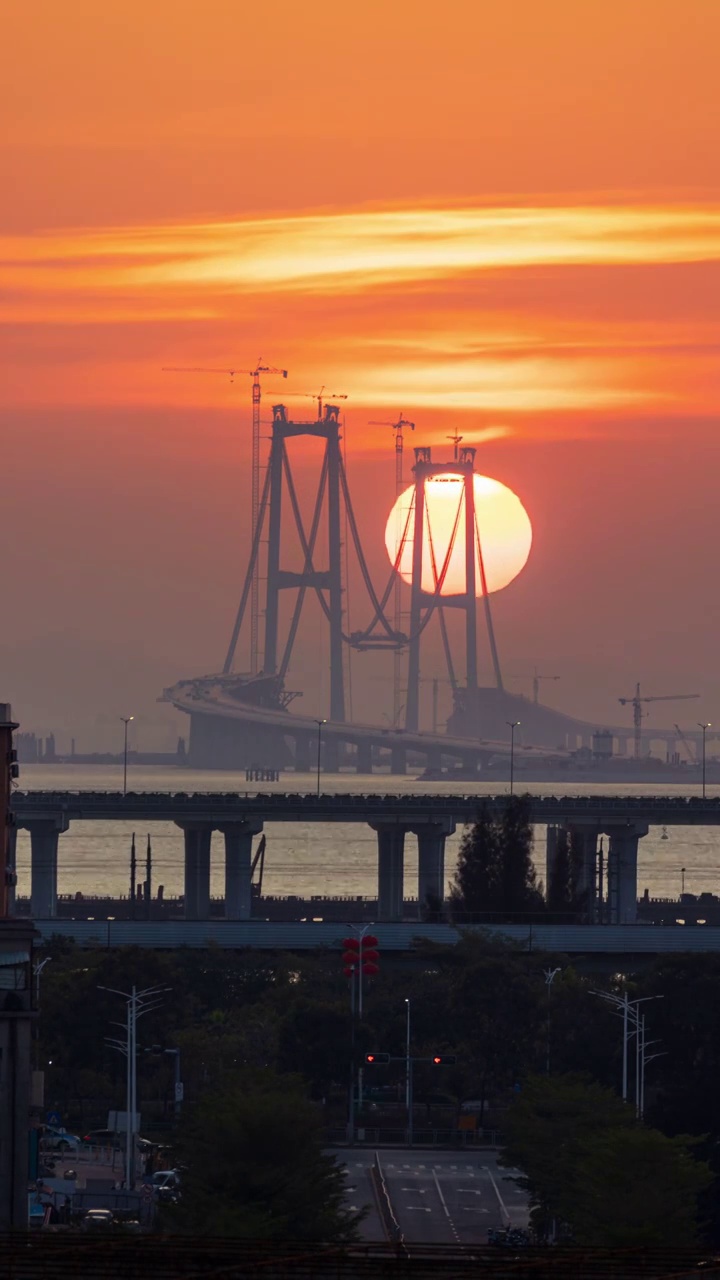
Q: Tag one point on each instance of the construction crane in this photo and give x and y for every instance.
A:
(255, 373)
(638, 713)
(687, 745)
(456, 441)
(399, 444)
(398, 659)
(536, 683)
(336, 395)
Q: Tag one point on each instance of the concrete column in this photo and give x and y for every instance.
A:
(330, 755)
(11, 869)
(583, 860)
(197, 870)
(431, 860)
(44, 835)
(303, 754)
(363, 756)
(551, 845)
(622, 872)
(433, 760)
(391, 856)
(238, 868)
(398, 761)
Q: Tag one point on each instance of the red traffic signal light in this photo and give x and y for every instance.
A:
(443, 1059)
(376, 1059)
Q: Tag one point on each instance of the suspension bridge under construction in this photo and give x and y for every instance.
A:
(241, 719)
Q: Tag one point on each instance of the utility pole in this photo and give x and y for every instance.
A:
(137, 1004)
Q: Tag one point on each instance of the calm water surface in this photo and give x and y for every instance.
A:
(327, 858)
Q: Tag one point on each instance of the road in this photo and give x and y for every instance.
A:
(438, 1197)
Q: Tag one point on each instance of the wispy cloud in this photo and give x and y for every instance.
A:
(350, 251)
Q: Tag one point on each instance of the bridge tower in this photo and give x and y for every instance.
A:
(278, 490)
(423, 602)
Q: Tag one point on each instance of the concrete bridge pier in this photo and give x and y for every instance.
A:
(363, 757)
(238, 868)
(303, 754)
(330, 755)
(11, 869)
(622, 872)
(431, 839)
(398, 761)
(391, 866)
(44, 835)
(198, 836)
(433, 760)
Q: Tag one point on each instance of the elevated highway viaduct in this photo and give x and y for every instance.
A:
(430, 818)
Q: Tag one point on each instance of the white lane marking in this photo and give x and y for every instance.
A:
(501, 1202)
(418, 1208)
(418, 1190)
(421, 1166)
(471, 1208)
(447, 1211)
(469, 1191)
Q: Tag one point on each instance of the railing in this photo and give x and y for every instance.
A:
(459, 1139)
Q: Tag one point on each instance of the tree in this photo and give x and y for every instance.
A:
(256, 1168)
(495, 875)
(587, 1164)
(564, 895)
(475, 891)
(637, 1187)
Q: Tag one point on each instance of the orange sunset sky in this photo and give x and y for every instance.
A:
(500, 218)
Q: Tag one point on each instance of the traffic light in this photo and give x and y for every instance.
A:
(360, 955)
(443, 1059)
(376, 1059)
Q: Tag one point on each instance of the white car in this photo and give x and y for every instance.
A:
(59, 1140)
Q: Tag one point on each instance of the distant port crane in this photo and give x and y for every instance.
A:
(638, 714)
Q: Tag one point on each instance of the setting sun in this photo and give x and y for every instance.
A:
(504, 534)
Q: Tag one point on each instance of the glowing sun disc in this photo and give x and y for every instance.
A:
(502, 522)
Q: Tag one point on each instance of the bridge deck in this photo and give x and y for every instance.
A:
(627, 940)
(218, 807)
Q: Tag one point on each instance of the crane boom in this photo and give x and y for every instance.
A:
(254, 489)
(636, 703)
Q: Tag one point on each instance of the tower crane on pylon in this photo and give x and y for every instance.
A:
(456, 441)
(336, 395)
(399, 444)
(536, 683)
(254, 485)
(398, 428)
(639, 715)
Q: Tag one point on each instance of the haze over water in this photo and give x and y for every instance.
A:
(328, 858)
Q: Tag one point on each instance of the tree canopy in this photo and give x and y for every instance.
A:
(255, 1165)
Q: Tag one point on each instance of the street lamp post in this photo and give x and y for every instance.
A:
(550, 975)
(319, 724)
(408, 1075)
(704, 728)
(137, 1003)
(633, 1025)
(513, 725)
(126, 720)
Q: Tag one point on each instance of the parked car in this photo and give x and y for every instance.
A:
(166, 1178)
(116, 1140)
(59, 1140)
(97, 1220)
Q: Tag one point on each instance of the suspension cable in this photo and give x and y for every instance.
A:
(488, 611)
(248, 576)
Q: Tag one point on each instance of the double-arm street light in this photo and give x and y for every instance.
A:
(319, 724)
(126, 720)
(512, 725)
(704, 728)
(137, 1003)
(633, 1025)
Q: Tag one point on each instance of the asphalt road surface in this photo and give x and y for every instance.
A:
(438, 1197)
